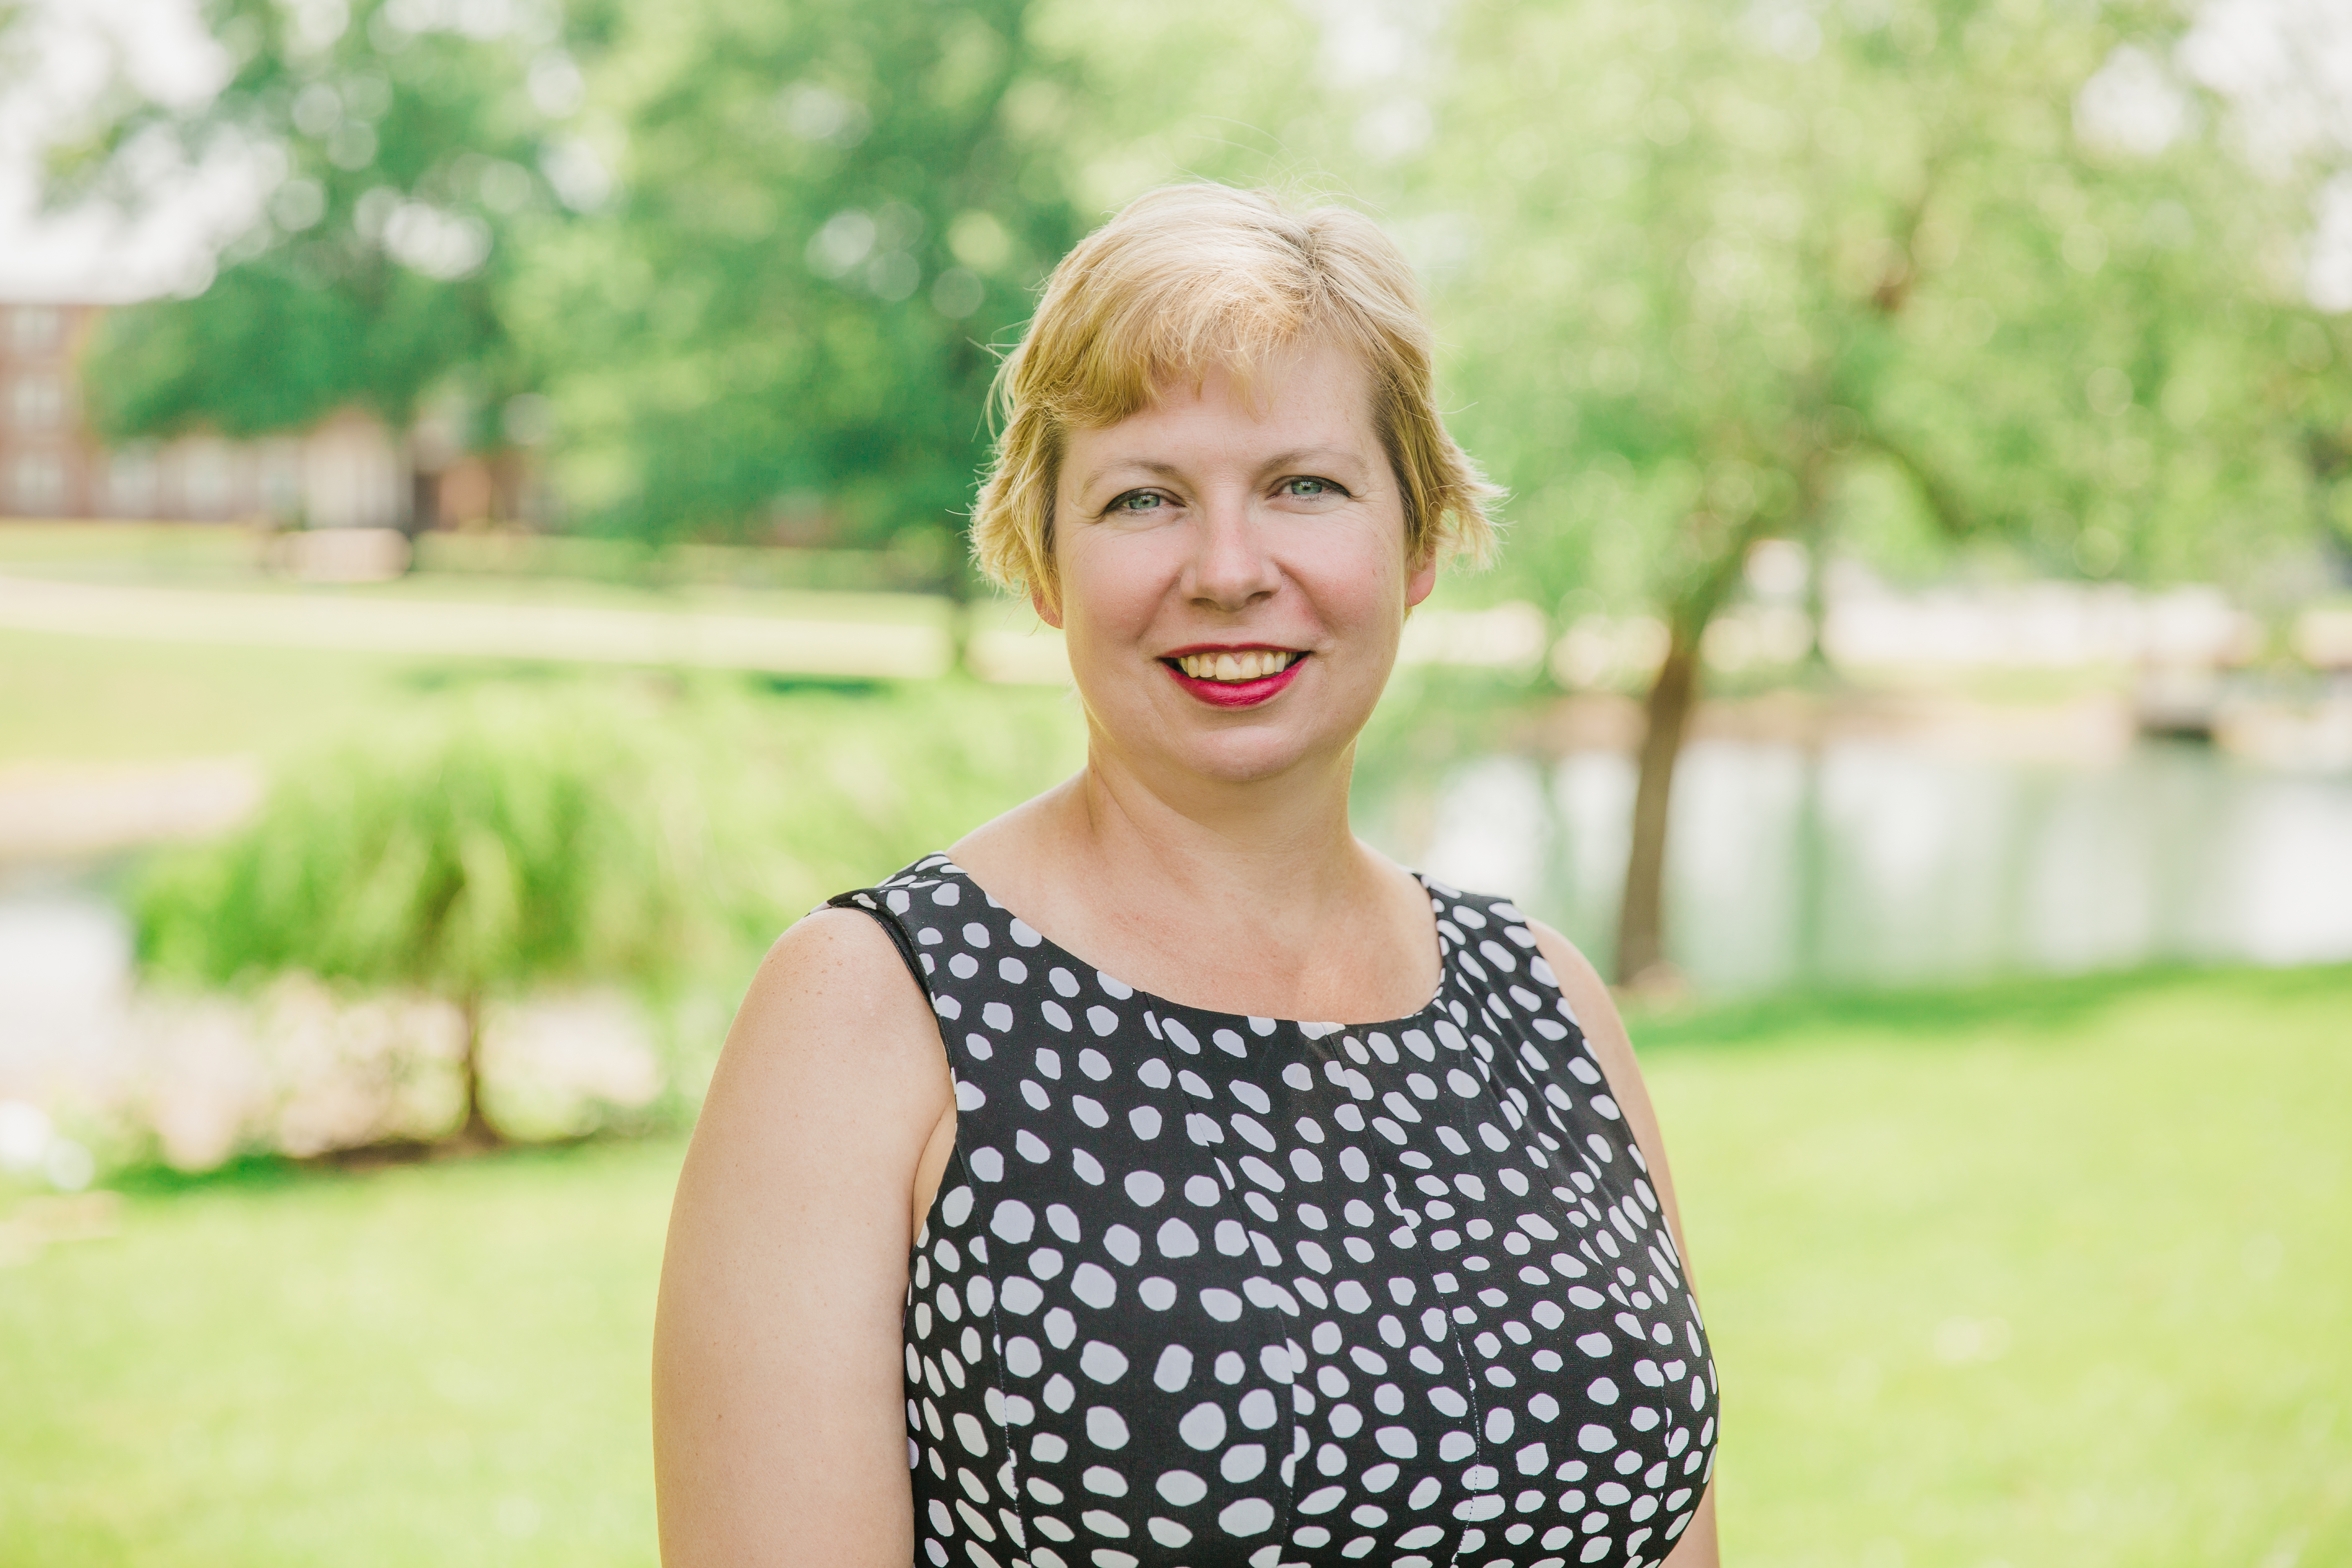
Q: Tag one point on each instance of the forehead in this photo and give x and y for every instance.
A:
(1320, 391)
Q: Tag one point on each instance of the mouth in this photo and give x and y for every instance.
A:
(1235, 677)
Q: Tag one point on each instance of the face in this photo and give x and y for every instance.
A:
(1233, 577)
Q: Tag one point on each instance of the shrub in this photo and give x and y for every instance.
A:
(501, 844)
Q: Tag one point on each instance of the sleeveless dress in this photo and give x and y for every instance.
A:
(1207, 1289)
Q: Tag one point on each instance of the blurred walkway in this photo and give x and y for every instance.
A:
(584, 634)
(61, 813)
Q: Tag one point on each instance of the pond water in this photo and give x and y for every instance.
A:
(1878, 863)
(1855, 863)
(65, 967)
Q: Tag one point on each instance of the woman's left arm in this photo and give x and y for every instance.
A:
(1597, 1012)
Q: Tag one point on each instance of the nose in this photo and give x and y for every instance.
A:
(1231, 568)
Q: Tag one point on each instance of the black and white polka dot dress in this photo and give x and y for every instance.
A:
(1214, 1290)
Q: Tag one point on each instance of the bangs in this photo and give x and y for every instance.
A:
(1165, 309)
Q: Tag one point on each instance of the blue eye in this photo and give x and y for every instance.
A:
(1138, 500)
(1305, 487)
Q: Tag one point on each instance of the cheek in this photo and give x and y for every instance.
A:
(1110, 583)
(1362, 583)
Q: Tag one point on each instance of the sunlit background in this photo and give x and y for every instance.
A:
(479, 553)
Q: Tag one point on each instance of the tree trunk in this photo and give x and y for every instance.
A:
(1641, 921)
(960, 631)
(1674, 694)
(957, 583)
(1811, 857)
(1817, 603)
(476, 1132)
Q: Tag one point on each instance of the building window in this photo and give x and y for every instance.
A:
(35, 329)
(204, 477)
(36, 401)
(281, 478)
(131, 482)
(37, 483)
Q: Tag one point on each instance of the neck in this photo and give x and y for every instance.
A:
(1286, 835)
(1237, 895)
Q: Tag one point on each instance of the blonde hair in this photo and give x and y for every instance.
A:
(1194, 275)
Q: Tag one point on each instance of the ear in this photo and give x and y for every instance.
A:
(1051, 613)
(1418, 586)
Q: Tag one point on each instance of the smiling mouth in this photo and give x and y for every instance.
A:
(1236, 667)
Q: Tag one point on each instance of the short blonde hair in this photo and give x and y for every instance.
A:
(1192, 276)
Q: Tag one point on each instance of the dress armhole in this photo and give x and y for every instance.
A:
(864, 904)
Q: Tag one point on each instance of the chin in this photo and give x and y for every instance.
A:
(1241, 756)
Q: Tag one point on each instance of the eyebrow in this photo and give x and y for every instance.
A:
(1303, 457)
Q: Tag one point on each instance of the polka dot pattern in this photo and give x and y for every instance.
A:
(1208, 1291)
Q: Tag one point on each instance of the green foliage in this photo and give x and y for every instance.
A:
(511, 835)
(258, 354)
(414, 190)
(756, 257)
(505, 844)
(1768, 284)
(1778, 285)
(832, 211)
(1850, 277)
(1707, 280)
(1865, 279)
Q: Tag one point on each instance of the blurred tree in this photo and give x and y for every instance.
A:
(654, 836)
(810, 225)
(514, 844)
(418, 157)
(827, 214)
(1718, 281)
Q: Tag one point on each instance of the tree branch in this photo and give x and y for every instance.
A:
(1944, 503)
(1894, 285)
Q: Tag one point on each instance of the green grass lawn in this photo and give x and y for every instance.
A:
(2057, 1273)
(121, 701)
(101, 699)
(439, 1365)
(229, 559)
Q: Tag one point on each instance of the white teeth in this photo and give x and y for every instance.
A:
(1250, 664)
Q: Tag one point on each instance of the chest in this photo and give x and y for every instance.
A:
(1202, 1289)
(1374, 955)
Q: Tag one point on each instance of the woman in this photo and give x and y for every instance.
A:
(1074, 1248)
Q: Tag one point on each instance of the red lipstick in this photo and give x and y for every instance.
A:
(1233, 693)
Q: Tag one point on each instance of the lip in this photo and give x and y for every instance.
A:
(1189, 649)
(1234, 693)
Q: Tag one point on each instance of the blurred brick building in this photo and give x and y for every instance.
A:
(350, 471)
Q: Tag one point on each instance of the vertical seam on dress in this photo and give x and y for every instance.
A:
(1476, 1397)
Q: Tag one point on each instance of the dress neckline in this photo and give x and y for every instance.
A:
(1312, 1029)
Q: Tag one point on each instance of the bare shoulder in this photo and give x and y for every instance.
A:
(831, 1016)
(835, 959)
(777, 1429)
(834, 1051)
